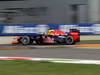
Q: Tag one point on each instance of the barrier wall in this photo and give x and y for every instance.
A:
(30, 29)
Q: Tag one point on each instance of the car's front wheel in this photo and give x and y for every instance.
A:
(25, 40)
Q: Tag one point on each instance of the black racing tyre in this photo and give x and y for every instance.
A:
(70, 40)
(25, 40)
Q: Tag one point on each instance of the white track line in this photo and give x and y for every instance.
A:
(54, 60)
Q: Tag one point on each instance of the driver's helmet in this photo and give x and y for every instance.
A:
(56, 32)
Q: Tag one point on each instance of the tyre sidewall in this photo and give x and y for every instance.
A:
(70, 40)
(25, 40)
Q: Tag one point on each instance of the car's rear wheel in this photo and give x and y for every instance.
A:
(70, 40)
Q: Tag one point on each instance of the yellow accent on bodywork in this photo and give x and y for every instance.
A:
(50, 32)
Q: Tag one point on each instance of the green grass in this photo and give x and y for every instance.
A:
(46, 68)
(91, 40)
(88, 47)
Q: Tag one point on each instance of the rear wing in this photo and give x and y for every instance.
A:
(75, 33)
(74, 30)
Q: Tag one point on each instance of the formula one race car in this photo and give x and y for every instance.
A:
(52, 36)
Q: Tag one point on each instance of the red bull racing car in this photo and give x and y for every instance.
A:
(51, 37)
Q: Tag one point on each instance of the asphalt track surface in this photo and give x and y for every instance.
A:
(68, 53)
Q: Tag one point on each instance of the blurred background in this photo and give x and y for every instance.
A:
(49, 11)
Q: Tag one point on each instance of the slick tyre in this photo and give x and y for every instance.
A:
(25, 40)
(70, 40)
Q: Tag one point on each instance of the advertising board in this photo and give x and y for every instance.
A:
(30, 29)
